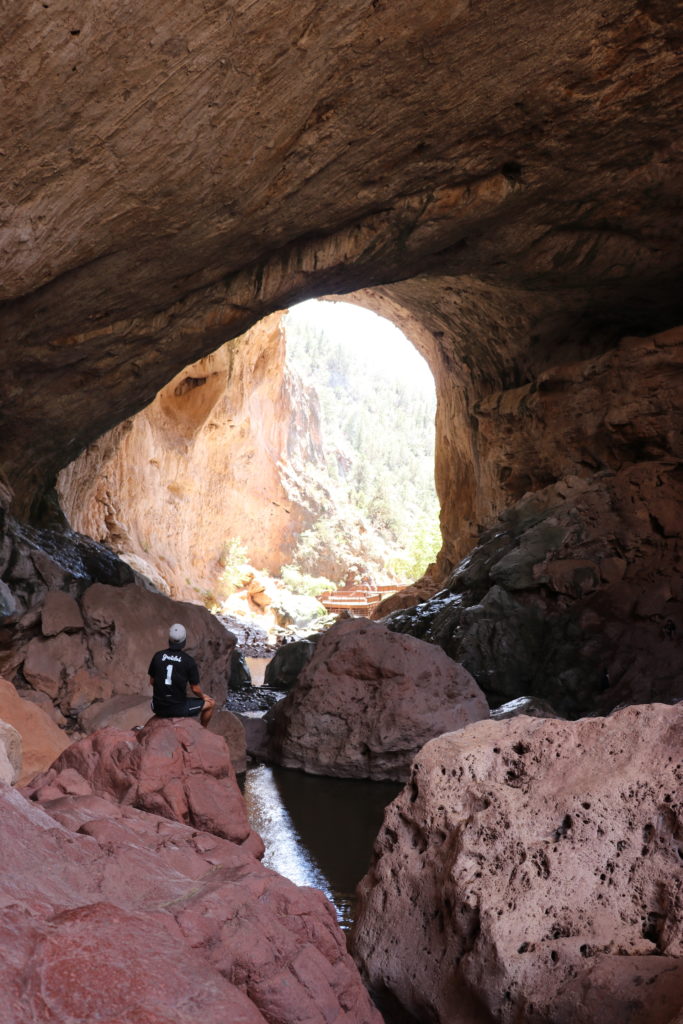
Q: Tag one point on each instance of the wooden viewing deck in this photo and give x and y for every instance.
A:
(358, 600)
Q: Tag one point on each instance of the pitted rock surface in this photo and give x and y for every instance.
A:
(532, 870)
(367, 701)
(148, 921)
(172, 767)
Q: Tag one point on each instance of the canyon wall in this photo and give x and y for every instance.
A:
(226, 451)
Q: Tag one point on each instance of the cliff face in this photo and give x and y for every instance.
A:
(224, 451)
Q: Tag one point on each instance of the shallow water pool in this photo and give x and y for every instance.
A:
(318, 831)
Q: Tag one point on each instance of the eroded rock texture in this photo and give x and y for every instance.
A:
(172, 767)
(82, 628)
(113, 913)
(367, 701)
(222, 452)
(574, 596)
(508, 191)
(532, 870)
(206, 165)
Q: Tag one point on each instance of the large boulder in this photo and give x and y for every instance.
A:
(172, 767)
(42, 741)
(114, 914)
(367, 701)
(574, 595)
(224, 723)
(531, 870)
(287, 664)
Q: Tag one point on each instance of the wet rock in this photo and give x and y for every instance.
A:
(172, 767)
(574, 597)
(255, 699)
(534, 863)
(8, 604)
(533, 706)
(255, 727)
(60, 554)
(144, 919)
(10, 754)
(367, 701)
(42, 740)
(287, 663)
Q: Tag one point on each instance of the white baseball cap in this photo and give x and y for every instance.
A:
(177, 633)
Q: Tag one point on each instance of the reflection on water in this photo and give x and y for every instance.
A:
(318, 831)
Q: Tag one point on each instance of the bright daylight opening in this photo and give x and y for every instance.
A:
(368, 473)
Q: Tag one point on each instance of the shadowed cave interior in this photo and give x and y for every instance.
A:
(509, 195)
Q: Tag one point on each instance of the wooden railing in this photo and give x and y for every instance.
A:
(356, 599)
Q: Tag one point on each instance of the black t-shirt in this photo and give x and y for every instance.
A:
(171, 671)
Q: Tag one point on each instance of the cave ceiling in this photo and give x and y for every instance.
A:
(171, 173)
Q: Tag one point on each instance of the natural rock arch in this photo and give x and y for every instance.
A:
(170, 181)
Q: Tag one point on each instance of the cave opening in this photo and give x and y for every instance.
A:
(295, 461)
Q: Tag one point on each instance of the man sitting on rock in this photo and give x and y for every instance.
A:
(170, 673)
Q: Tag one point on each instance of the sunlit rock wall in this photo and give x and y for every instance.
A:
(222, 453)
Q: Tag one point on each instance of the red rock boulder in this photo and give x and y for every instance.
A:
(533, 870)
(172, 767)
(367, 701)
(114, 914)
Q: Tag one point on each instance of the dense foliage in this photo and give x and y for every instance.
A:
(378, 432)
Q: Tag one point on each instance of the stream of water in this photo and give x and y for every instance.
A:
(318, 831)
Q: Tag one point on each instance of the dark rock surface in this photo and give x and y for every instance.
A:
(531, 871)
(575, 596)
(287, 664)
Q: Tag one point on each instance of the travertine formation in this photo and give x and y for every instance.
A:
(204, 166)
(367, 701)
(170, 174)
(533, 871)
(222, 453)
